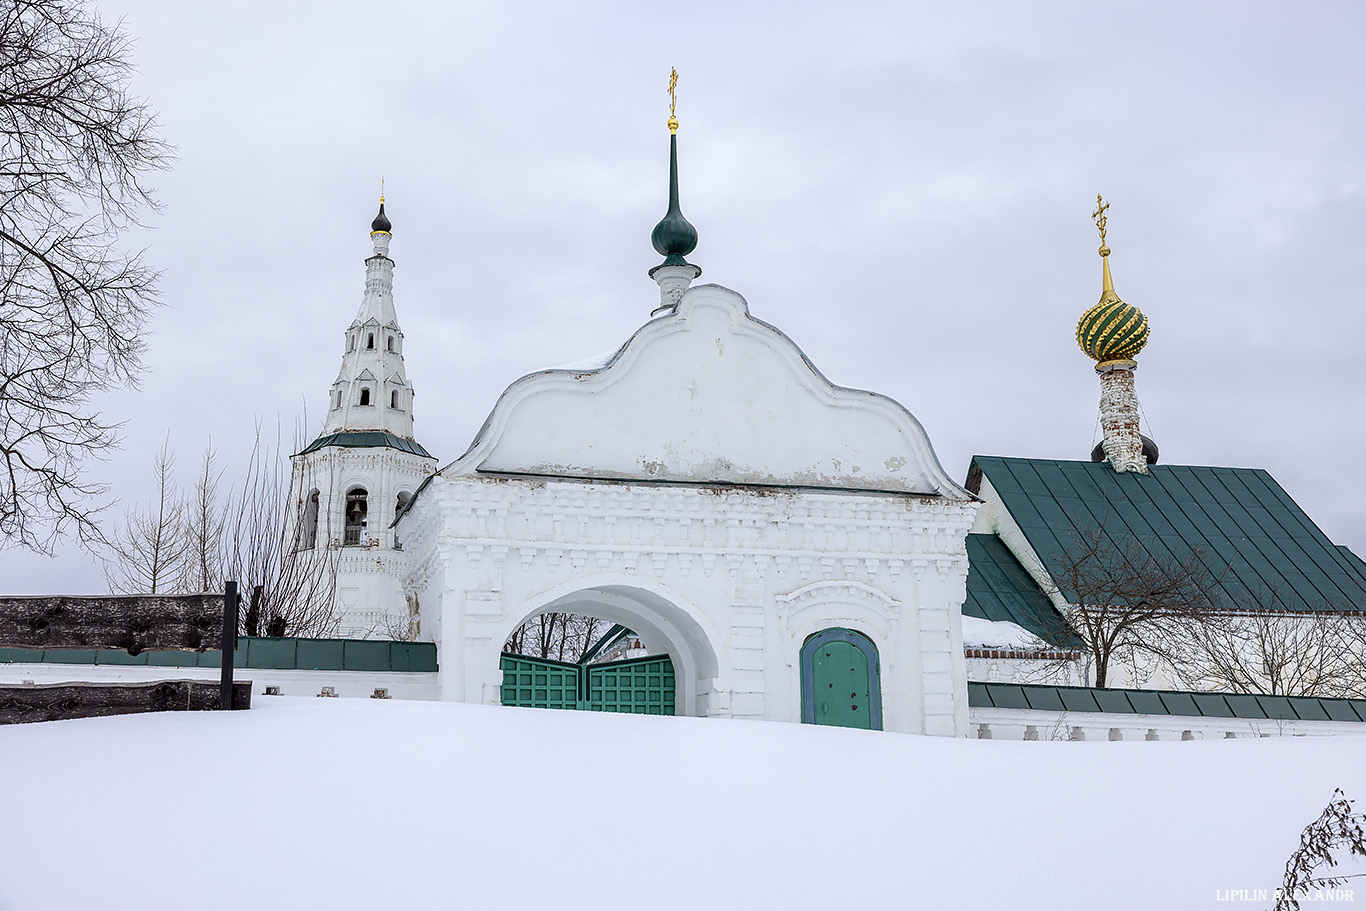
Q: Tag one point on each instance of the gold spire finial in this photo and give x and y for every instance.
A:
(381, 189)
(673, 100)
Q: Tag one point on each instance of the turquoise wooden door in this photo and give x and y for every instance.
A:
(840, 684)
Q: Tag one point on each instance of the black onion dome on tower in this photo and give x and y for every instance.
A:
(674, 237)
(381, 223)
(1149, 450)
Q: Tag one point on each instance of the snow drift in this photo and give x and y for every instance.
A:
(340, 804)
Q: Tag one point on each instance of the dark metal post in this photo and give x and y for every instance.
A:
(229, 644)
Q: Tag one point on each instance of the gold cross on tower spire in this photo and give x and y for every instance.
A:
(673, 100)
(1099, 217)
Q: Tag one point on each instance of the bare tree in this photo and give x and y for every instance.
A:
(1271, 644)
(1126, 603)
(1339, 829)
(203, 528)
(75, 147)
(292, 592)
(242, 534)
(146, 554)
(555, 635)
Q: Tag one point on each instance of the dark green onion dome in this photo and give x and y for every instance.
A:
(1112, 330)
(674, 237)
(381, 223)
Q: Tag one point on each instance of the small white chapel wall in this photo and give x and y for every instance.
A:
(709, 488)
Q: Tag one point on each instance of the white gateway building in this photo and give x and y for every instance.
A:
(782, 547)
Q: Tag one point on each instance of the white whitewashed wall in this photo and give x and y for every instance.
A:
(729, 582)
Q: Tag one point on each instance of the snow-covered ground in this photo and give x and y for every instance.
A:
(340, 804)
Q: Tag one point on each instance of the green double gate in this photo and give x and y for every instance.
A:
(641, 686)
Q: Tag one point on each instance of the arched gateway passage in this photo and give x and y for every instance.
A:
(680, 664)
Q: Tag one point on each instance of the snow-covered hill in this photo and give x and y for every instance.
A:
(340, 804)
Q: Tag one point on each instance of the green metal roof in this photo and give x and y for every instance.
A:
(1244, 523)
(999, 588)
(258, 652)
(1163, 702)
(362, 438)
(1355, 561)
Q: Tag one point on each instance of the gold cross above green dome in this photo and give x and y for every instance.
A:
(1111, 330)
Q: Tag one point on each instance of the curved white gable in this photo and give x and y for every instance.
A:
(707, 394)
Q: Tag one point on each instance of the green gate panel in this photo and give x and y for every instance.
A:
(539, 683)
(639, 686)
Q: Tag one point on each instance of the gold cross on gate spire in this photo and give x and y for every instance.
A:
(381, 189)
(1099, 217)
(673, 99)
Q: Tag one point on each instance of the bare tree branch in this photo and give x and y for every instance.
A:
(203, 529)
(1271, 643)
(1128, 603)
(1339, 829)
(297, 588)
(555, 635)
(240, 534)
(75, 148)
(147, 553)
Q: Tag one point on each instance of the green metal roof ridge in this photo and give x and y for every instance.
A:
(1175, 703)
(1161, 465)
(367, 438)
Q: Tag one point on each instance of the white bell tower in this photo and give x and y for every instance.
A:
(349, 484)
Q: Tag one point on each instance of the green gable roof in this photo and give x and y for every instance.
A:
(362, 438)
(999, 588)
(1242, 521)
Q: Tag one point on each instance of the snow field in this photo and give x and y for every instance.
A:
(341, 804)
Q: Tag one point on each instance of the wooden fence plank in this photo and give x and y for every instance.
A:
(54, 702)
(136, 623)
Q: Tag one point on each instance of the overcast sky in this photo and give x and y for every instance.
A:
(905, 191)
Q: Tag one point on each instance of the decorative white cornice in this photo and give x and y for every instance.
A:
(872, 604)
(578, 527)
